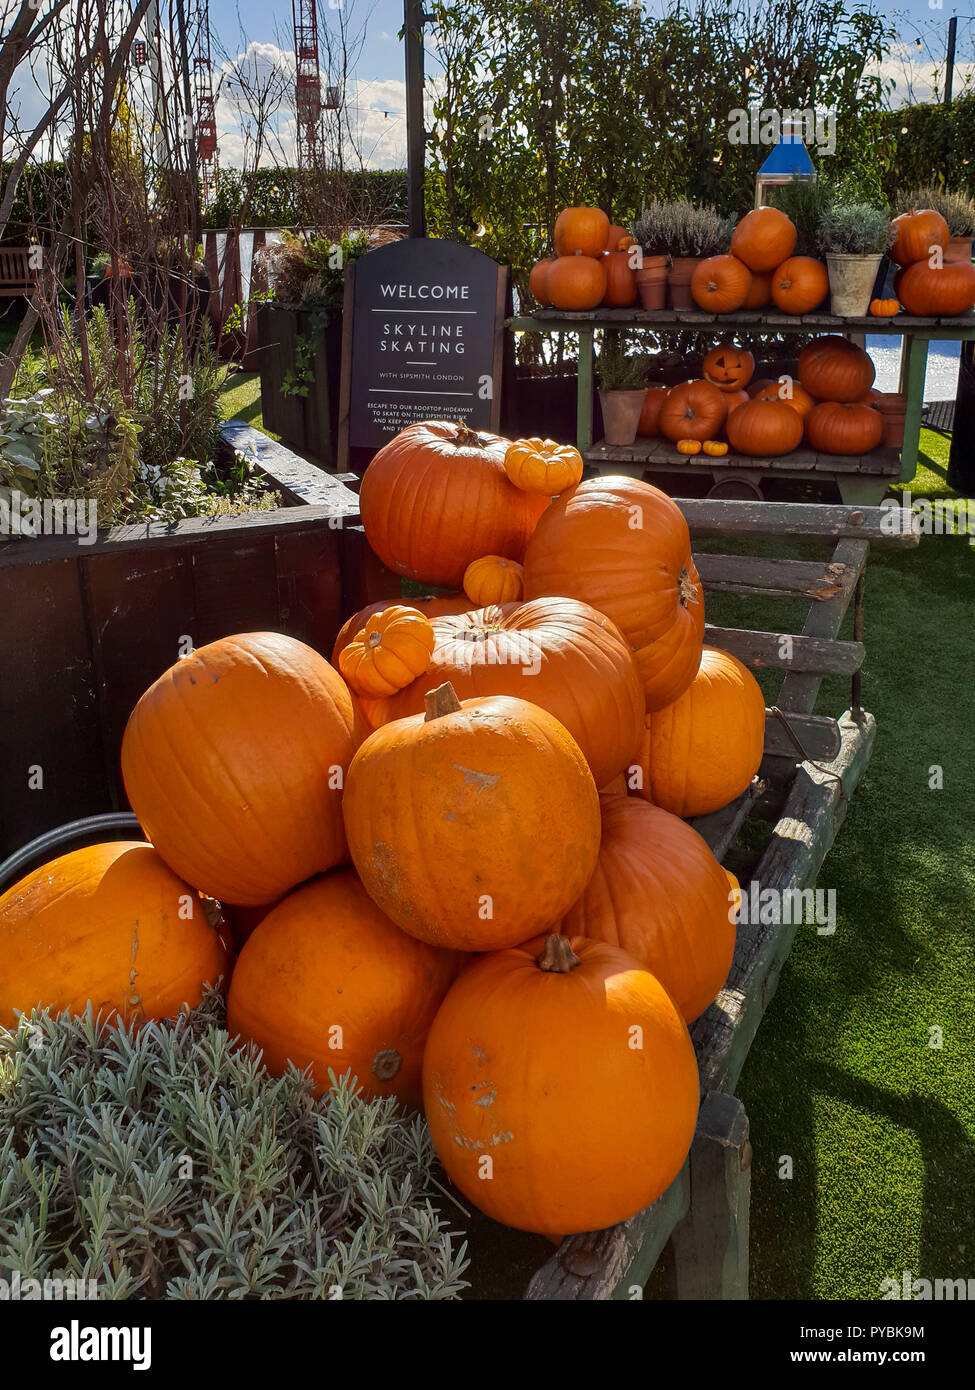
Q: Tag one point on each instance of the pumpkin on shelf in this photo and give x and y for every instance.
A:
(719, 284)
(759, 291)
(653, 402)
(474, 823)
(614, 236)
(787, 390)
(559, 653)
(234, 761)
(728, 367)
(491, 579)
(392, 649)
(799, 285)
(430, 605)
(528, 1063)
(538, 281)
(688, 446)
(542, 466)
(763, 239)
(576, 282)
(437, 496)
(884, 308)
(581, 231)
(621, 290)
(918, 233)
(834, 427)
(944, 290)
(834, 369)
(715, 448)
(703, 750)
(736, 398)
(327, 981)
(110, 925)
(693, 410)
(623, 546)
(659, 893)
(764, 428)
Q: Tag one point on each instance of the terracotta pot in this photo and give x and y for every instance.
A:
(679, 281)
(893, 408)
(851, 281)
(959, 248)
(651, 282)
(621, 415)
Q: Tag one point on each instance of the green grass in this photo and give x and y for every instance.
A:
(240, 399)
(880, 1126)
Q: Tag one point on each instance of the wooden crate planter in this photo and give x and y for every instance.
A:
(309, 423)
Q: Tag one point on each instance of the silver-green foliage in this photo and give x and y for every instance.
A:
(854, 229)
(163, 1163)
(957, 209)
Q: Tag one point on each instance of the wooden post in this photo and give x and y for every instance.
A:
(710, 1245)
(584, 389)
(413, 19)
(914, 361)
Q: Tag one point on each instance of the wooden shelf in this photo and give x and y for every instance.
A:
(754, 321)
(661, 454)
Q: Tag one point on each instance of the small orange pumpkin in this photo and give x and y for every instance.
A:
(720, 284)
(542, 466)
(715, 448)
(391, 650)
(884, 308)
(728, 367)
(492, 579)
(688, 446)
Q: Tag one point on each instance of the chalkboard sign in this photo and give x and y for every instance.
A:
(422, 340)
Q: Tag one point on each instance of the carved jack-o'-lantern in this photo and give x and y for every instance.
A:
(728, 367)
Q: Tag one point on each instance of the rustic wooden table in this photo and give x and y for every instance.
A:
(861, 479)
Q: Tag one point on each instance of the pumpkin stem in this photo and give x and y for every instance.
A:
(686, 588)
(557, 955)
(386, 1064)
(468, 437)
(441, 701)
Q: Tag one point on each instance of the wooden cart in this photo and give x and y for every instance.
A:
(812, 766)
(861, 479)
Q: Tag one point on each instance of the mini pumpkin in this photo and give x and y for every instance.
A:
(491, 579)
(391, 650)
(473, 823)
(728, 367)
(542, 466)
(715, 448)
(693, 410)
(688, 446)
(720, 284)
(884, 308)
(431, 606)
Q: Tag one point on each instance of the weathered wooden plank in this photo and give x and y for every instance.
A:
(299, 481)
(719, 827)
(658, 451)
(235, 587)
(788, 652)
(711, 1243)
(773, 576)
(365, 579)
(814, 810)
(309, 586)
(818, 734)
(617, 1261)
(799, 689)
(720, 519)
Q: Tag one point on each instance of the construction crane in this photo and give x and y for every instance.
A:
(308, 86)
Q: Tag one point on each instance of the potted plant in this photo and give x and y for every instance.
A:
(958, 211)
(853, 238)
(622, 386)
(650, 231)
(692, 234)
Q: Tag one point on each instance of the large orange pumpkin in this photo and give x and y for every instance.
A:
(834, 369)
(111, 925)
(473, 824)
(653, 402)
(623, 547)
(659, 893)
(621, 289)
(800, 285)
(547, 1070)
(945, 290)
(703, 750)
(581, 231)
(728, 367)
(847, 428)
(576, 282)
(435, 606)
(436, 497)
(234, 761)
(917, 234)
(693, 410)
(326, 980)
(763, 239)
(538, 281)
(557, 652)
(764, 428)
(720, 284)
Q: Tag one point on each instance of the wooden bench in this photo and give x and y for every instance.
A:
(812, 766)
(17, 276)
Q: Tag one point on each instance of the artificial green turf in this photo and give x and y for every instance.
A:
(240, 399)
(842, 1077)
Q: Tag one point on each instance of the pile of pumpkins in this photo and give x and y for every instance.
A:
(832, 407)
(455, 858)
(595, 266)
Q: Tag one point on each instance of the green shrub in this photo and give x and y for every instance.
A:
(163, 1163)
